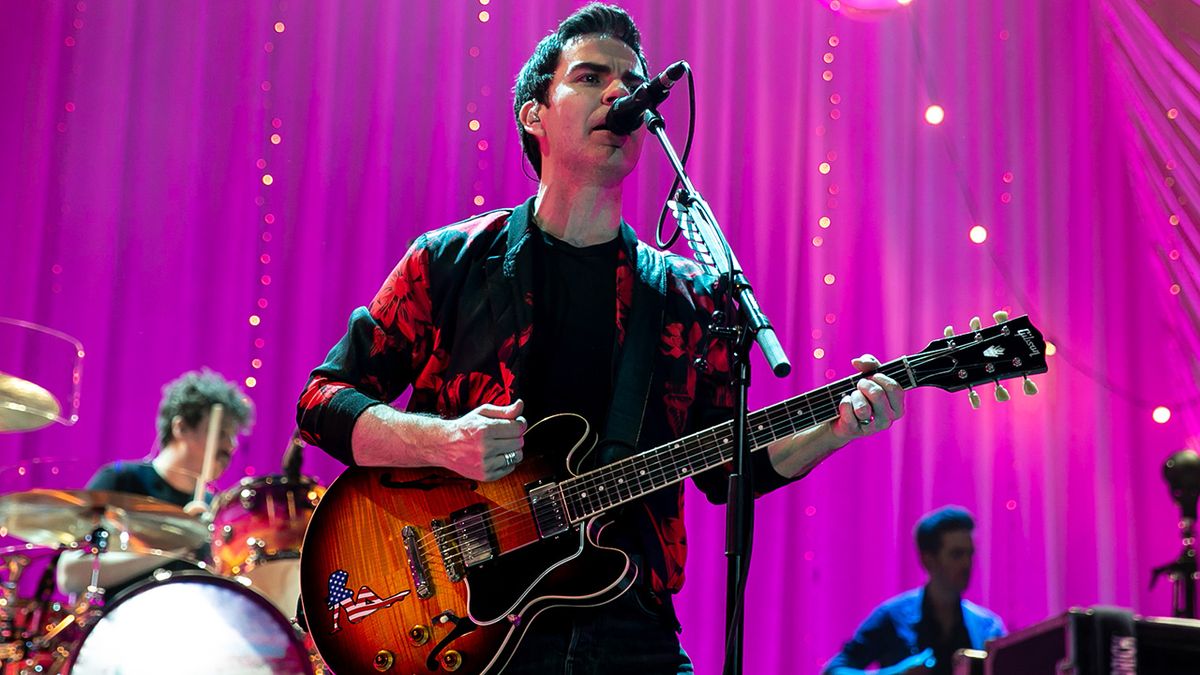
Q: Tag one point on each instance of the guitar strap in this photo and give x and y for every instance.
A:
(631, 388)
(631, 391)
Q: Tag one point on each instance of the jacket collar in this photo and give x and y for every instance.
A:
(520, 228)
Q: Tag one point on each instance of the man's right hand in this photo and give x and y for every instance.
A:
(485, 444)
(482, 443)
(917, 664)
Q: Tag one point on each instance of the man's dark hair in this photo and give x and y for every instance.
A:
(934, 524)
(533, 82)
(193, 394)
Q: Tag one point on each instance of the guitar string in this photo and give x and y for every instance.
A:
(786, 413)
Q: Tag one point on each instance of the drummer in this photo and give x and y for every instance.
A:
(171, 476)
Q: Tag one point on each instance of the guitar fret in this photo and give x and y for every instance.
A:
(652, 470)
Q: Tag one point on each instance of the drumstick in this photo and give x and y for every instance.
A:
(198, 505)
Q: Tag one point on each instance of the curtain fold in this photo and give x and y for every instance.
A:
(220, 183)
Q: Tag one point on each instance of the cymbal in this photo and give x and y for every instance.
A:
(65, 517)
(25, 406)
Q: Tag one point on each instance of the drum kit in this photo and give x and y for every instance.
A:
(240, 619)
(232, 610)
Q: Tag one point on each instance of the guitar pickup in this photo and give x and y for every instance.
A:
(474, 534)
(417, 567)
(549, 511)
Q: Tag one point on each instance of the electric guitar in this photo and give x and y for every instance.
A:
(421, 570)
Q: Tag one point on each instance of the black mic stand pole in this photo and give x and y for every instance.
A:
(707, 240)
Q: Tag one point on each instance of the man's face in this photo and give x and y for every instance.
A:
(592, 73)
(950, 567)
(195, 438)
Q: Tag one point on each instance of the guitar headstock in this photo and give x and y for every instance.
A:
(1011, 348)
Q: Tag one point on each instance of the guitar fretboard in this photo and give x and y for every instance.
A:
(611, 485)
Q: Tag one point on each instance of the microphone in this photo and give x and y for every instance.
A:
(625, 115)
(293, 457)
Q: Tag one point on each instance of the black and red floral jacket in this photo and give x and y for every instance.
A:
(453, 321)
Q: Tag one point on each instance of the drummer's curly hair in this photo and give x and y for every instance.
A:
(192, 394)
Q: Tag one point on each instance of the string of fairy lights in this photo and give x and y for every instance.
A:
(828, 185)
(482, 145)
(272, 138)
(977, 233)
(934, 115)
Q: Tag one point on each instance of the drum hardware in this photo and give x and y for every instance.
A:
(36, 630)
(93, 596)
(257, 528)
(39, 635)
(26, 406)
(9, 595)
(66, 517)
(254, 529)
(246, 497)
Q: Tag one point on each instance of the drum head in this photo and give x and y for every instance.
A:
(191, 624)
(279, 581)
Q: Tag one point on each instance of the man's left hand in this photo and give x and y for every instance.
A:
(876, 402)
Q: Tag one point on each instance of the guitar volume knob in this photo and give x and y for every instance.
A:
(418, 635)
(452, 660)
(384, 660)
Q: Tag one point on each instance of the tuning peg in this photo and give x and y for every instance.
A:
(1029, 387)
(1001, 393)
(1000, 316)
(949, 332)
(976, 324)
(974, 398)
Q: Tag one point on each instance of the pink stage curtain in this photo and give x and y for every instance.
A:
(148, 208)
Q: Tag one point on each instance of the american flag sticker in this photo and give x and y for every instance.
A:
(356, 606)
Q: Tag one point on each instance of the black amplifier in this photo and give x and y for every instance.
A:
(1092, 641)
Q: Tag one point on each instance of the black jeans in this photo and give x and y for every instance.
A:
(628, 636)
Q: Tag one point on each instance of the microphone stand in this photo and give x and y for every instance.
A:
(706, 239)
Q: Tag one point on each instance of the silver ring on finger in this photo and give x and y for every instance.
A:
(863, 424)
(510, 458)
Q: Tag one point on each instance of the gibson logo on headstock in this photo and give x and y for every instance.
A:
(1030, 341)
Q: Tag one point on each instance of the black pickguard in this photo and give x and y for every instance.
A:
(510, 583)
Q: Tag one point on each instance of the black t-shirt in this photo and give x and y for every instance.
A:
(140, 478)
(137, 478)
(572, 361)
(570, 366)
(931, 636)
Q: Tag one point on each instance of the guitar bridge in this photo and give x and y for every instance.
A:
(416, 562)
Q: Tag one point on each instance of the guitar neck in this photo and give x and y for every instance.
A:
(611, 485)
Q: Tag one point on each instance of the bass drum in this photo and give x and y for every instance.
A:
(190, 623)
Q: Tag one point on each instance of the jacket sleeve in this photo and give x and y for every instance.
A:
(867, 645)
(383, 349)
(715, 404)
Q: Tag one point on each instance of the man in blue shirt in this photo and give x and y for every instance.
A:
(918, 631)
